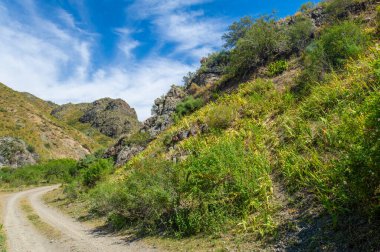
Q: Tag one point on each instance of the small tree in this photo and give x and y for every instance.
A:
(236, 31)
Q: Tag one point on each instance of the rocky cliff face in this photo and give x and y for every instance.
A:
(163, 110)
(110, 117)
(15, 153)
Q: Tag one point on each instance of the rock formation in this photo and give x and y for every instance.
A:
(15, 153)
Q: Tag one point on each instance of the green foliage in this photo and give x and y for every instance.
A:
(95, 171)
(221, 117)
(236, 31)
(53, 171)
(31, 148)
(300, 33)
(378, 19)
(343, 41)
(138, 138)
(214, 185)
(215, 62)
(338, 9)
(187, 106)
(307, 7)
(262, 42)
(2, 239)
(219, 183)
(143, 200)
(336, 45)
(277, 67)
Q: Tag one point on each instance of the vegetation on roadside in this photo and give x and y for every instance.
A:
(319, 135)
(2, 239)
(322, 142)
(28, 118)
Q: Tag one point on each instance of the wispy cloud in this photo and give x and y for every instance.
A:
(174, 21)
(55, 60)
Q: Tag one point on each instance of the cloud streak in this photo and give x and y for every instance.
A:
(55, 61)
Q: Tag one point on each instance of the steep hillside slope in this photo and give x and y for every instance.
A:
(288, 157)
(27, 117)
(103, 120)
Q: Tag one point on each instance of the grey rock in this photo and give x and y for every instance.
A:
(15, 153)
(111, 117)
(127, 153)
(163, 110)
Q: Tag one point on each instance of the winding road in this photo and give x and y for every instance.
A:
(22, 236)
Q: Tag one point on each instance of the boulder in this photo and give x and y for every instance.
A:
(16, 153)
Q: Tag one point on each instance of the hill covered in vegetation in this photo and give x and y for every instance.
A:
(274, 146)
(285, 149)
(28, 118)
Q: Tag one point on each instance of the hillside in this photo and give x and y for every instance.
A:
(103, 120)
(273, 144)
(278, 151)
(27, 117)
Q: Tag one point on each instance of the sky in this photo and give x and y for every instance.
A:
(82, 50)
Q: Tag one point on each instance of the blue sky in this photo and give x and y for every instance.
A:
(82, 50)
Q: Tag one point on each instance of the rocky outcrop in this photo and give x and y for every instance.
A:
(163, 110)
(162, 113)
(111, 117)
(16, 153)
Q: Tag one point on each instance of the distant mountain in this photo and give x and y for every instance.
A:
(103, 120)
(68, 131)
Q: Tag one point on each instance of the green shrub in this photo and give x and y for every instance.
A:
(277, 67)
(219, 183)
(378, 19)
(96, 171)
(300, 33)
(31, 148)
(143, 201)
(215, 62)
(338, 9)
(53, 171)
(138, 138)
(343, 41)
(236, 31)
(187, 106)
(221, 117)
(261, 43)
(307, 7)
(336, 44)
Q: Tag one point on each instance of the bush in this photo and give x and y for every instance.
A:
(96, 171)
(144, 199)
(264, 41)
(300, 33)
(378, 19)
(307, 7)
(343, 41)
(277, 67)
(187, 106)
(53, 171)
(236, 31)
(336, 44)
(221, 117)
(215, 62)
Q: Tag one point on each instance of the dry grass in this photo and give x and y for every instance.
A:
(42, 226)
(3, 246)
(29, 118)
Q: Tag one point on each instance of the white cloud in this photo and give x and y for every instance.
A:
(126, 44)
(194, 34)
(54, 64)
(54, 61)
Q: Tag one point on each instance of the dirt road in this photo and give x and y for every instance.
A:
(22, 236)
